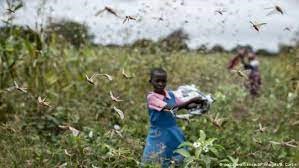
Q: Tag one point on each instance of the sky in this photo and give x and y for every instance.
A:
(195, 17)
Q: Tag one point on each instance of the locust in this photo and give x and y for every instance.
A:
(74, 131)
(13, 8)
(128, 18)
(43, 102)
(216, 121)
(119, 112)
(22, 89)
(114, 98)
(275, 9)
(257, 26)
(109, 10)
(220, 11)
(291, 143)
(125, 75)
(91, 79)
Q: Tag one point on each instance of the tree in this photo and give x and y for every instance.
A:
(142, 43)
(283, 48)
(174, 41)
(218, 48)
(264, 52)
(65, 30)
(248, 47)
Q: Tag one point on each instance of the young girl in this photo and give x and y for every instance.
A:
(164, 135)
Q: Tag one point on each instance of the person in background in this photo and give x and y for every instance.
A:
(254, 78)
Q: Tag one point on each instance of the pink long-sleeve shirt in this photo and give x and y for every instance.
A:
(156, 101)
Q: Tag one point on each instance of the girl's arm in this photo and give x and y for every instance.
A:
(184, 105)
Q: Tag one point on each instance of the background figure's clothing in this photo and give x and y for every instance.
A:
(164, 134)
(254, 77)
(254, 82)
(233, 62)
(253, 65)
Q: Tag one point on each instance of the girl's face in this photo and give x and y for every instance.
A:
(242, 52)
(251, 56)
(159, 81)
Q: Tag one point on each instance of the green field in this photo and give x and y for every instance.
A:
(30, 135)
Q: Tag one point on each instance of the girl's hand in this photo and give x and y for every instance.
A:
(168, 108)
(191, 106)
(197, 100)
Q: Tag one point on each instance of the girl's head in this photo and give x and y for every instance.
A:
(251, 56)
(158, 78)
(242, 51)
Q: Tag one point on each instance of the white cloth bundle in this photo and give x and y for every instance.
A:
(187, 92)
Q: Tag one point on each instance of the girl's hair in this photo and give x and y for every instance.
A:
(157, 70)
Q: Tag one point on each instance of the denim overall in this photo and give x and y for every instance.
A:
(164, 137)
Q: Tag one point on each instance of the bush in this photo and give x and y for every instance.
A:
(26, 33)
(174, 42)
(73, 32)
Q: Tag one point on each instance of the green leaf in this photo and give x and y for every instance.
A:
(29, 47)
(53, 119)
(214, 151)
(206, 160)
(51, 78)
(184, 144)
(183, 152)
(198, 152)
(219, 147)
(224, 161)
(234, 161)
(189, 160)
(202, 135)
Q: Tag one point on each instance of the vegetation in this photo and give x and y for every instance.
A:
(70, 31)
(245, 129)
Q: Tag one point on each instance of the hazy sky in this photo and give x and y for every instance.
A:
(196, 17)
